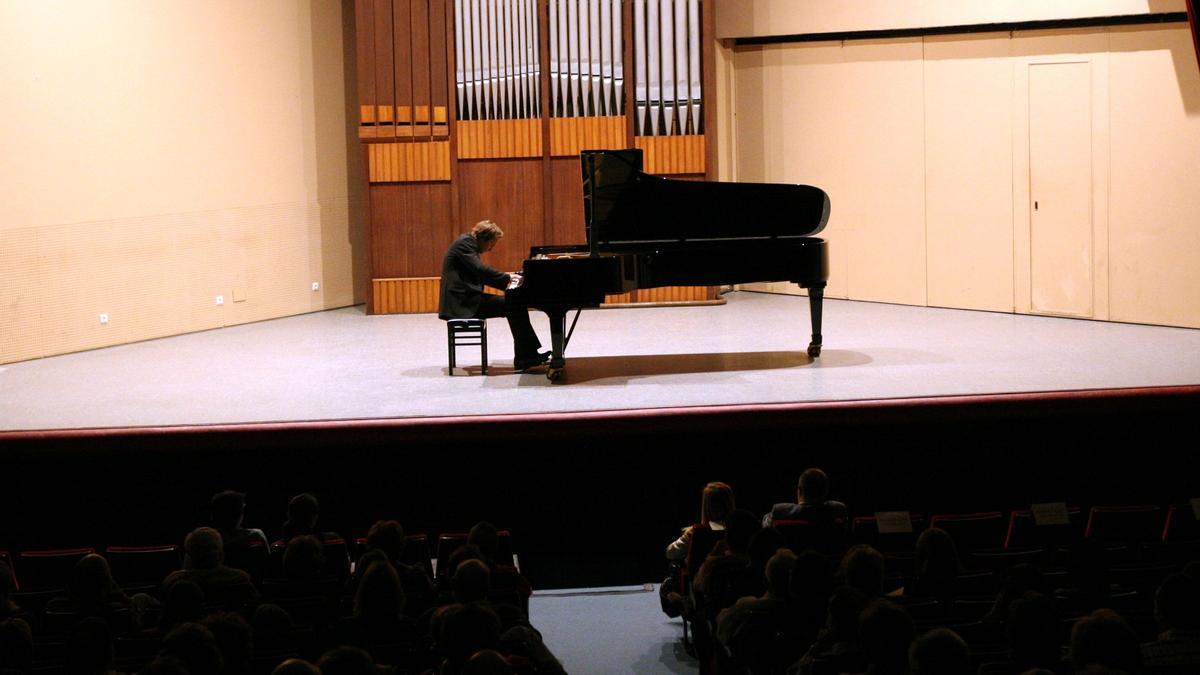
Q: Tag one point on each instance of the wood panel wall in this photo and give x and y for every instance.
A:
(432, 176)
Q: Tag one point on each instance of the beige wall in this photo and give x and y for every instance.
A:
(158, 154)
(760, 18)
(923, 145)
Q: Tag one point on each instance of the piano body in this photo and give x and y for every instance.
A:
(647, 231)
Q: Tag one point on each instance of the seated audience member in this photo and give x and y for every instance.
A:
(886, 632)
(726, 574)
(838, 643)
(746, 627)
(1104, 639)
(295, 667)
(1016, 582)
(304, 559)
(165, 665)
(184, 604)
(939, 652)
(812, 503)
(346, 661)
(8, 608)
(303, 510)
(810, 587)
(936, 566)
(16, 645)
(716, 503)
(194, 646)
(228, 510)
(1034, 634)
(1177, 610)
(378, 617)
(505, 578)
(487, 662)
(234, 639)
(387, 537)
(525, 650)
(203, 565)
(463, 631)
(91, 591)
(862, 568)
(472, 585)
(90, 648)
(271, 626)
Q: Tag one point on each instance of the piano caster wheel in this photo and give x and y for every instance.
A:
(814, 351)
(554, 374)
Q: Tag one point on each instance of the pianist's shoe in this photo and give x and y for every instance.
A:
(528, 362)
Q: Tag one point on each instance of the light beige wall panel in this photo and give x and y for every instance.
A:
(968, 171)
(746, 18)
(1050, 47)
(1155, 204)
(135, 134)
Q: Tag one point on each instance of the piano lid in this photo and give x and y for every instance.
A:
(626, 209)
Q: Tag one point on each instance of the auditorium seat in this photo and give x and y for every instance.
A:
(1024, 532)
(999, 560)
(416, 551)
(449, 542)
(49, 569)
(142, 567)
(1126, 524)
(6, 558)
(865, 530)
(800, 535)
(1181, 524)
(972, 530)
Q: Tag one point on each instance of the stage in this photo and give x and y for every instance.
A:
(344, 365)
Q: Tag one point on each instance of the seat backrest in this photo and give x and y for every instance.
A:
(800, 534)
(1181, 524)
(49, 568)
(972, 530)
(865, 530)
(1023, 530)
(1126, 524)
(6, 558)
(134, 565)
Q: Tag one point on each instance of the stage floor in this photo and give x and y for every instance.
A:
(343, 364)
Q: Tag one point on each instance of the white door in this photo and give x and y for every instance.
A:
(1060, 188)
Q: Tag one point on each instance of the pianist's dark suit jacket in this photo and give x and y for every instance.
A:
(464, 275)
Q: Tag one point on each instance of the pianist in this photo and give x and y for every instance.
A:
(464, 275)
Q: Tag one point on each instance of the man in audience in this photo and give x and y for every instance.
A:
(812, 503)
(746, 626)
(302, 518)
(463, 631)
(234, 640)
(1177, 610)
(838, 643)
(862, 568)
(228, 511)
(203, 565)
(886, 632)
(295, 667)
(346, 661)
(195, 647)
(1103, 638)
(387, 536)
(939, 652)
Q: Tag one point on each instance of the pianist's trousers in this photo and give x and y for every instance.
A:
(525, 341)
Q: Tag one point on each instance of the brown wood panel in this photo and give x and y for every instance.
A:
(667, 155)
(485, 139)
(566, 200)
(412, 295)
(509, 192)
(385, 78)
(441, 77)
(409, 162)
(411, 228)
(569, 135)
(421, 44)
(364, 25)
(402, 60)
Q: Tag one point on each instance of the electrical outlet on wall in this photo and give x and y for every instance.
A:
(220, 300)
(103, 318)
(316, 285)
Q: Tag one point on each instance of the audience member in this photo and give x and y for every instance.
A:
(812, 503)
(936, 566)
(228, 510)
(487, 662)
(303, 559)
(303, 510)
(726, 574)
(862, 568)
(505, 579)
(165, 665)
(716, 503)
(1177, 610)
(1103, 638)
(387, 537)
(295, 667)
(195, 647)
(203, 565)
(91, 591)
(1034, 633)
(346, 661)
(234, 639)
(939, 652)
(90, 648)
(378, 617)
(16, 645)
(184, 604)
(838, 642)
(1016, 582)
(271, 625)
(526, 651)
(463, 631)
(746, 627)
(886, 632)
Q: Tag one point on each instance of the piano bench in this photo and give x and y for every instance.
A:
(466, 333)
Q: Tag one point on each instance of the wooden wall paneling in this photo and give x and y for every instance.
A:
(387, 215)
(441, 76)
(422, 44)
(708, 83)
(508, 192)
(450, 229)
(673, 154)
(566, 214)
(629, 60)
(385, 77)
(364, 22)
(548, 187)
(402, 59)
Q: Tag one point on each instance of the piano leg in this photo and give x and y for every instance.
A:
(558, 325)
(816, 294)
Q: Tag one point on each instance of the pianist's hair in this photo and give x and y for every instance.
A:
(486, 230)
(716, 503)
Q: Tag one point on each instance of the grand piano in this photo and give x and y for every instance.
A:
(647, 231)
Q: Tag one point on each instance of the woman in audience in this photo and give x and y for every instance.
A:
(378, 618)
(1104, 639)
(886, 632)
(936, 567)
(862, 568)
(92, 591)
(716, 503)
